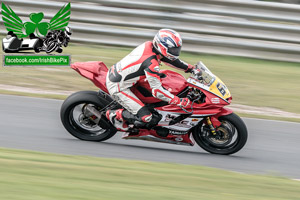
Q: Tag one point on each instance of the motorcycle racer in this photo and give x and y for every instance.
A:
(143, 61)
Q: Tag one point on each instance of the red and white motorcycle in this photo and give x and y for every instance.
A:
(214, 128)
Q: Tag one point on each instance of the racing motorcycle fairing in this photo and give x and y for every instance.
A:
(176, 137)
(217, 92)
(184, 122)
(178, 133)
(178, 121)
(211, 83)
(95, 71)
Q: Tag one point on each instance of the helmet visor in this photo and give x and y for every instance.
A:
(174, 51)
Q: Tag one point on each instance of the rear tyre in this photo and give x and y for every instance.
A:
(230, 138)
(78, 124)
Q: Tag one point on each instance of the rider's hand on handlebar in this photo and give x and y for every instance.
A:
(184, 102)
(190, 68)
(194, 70)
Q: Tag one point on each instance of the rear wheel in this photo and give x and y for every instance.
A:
(82, 118)
(230, 137)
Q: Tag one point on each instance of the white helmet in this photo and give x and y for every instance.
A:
(168, 43)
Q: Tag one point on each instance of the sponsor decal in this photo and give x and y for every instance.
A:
(183, 124)
(172, 132)
(215, 100)
(169, 117)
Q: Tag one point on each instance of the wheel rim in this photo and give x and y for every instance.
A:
(51, 47)
(227, 136)
(80, 121)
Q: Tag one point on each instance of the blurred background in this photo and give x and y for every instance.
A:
(249, 28)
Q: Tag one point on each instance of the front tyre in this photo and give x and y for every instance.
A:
(79, 121)
(230, 137)
(52, 46)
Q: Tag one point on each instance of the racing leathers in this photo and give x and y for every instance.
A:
(143, 61)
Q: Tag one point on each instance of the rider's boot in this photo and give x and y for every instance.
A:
(142, 119)
(116, 118)
(133, 119)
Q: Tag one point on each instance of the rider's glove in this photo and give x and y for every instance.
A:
(196, 72)
(184, 102)
(192, 69)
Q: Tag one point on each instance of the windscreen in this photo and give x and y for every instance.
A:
(206, 78)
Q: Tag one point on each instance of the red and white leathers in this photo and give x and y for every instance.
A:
(143, 61)
(115, 116)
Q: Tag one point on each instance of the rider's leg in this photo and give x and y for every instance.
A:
(128, 100)
(135, 111)
(116, 118)
(143, 116)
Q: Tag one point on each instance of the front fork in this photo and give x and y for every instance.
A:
(213, 121)
(211, 127)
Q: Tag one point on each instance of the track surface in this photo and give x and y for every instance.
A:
(34, 124)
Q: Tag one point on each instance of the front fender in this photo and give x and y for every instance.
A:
(224, 111)
(215, 118)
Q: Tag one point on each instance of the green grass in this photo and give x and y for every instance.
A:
(49, 96)
(251, 81)
(278, 118)
(42, 176)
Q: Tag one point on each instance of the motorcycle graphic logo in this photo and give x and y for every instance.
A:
(43, 36)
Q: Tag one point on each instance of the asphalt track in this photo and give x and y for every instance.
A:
(34, 124)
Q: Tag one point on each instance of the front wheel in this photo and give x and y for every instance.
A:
(230, 136)
(51, 46)
(81, 115)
